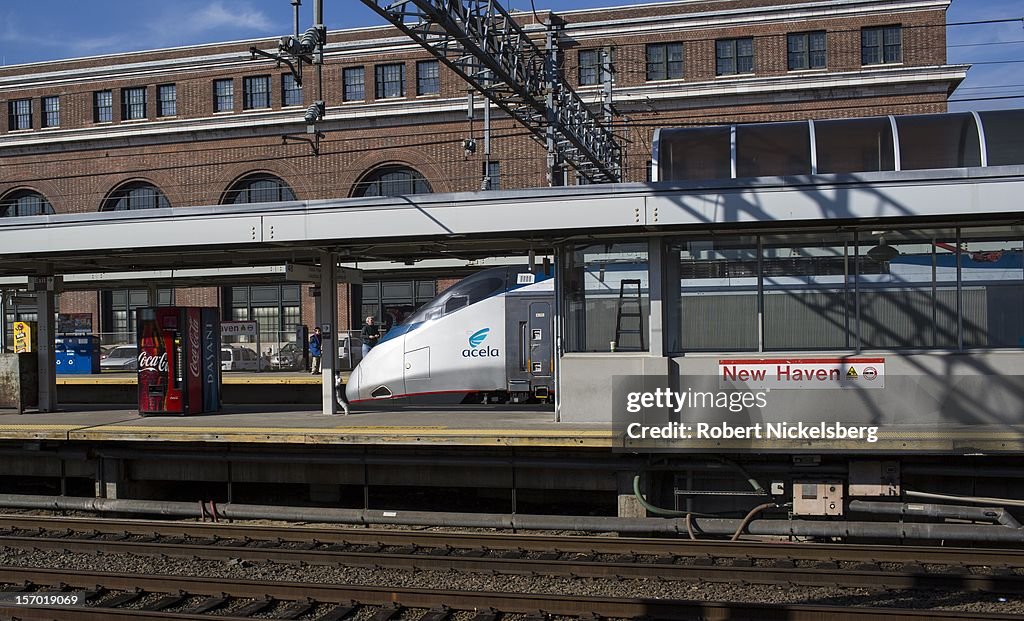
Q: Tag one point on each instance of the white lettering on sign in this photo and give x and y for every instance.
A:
(238, 328)
(194, 355)
(153, 363)
(797, 373)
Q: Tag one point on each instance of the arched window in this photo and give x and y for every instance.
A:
(258, 188)
(135, 195)
(394, 180)
(24, 203)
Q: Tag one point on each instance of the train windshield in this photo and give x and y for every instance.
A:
(468, 291)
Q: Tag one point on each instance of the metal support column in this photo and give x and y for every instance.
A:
(329, 329)
(152, 295)
(45, 307)
(656, 287)
(4, 297)
(556, 169)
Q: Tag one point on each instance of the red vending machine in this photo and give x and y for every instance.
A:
(179, 360)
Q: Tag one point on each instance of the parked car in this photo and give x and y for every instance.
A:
(288, 358)
(120, 358)
(242, 359)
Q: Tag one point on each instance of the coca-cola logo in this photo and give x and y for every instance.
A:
(153, 363)
(194, 353)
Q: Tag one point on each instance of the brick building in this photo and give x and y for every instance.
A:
(204, 125)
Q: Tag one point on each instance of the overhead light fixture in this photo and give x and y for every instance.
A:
(883, 251)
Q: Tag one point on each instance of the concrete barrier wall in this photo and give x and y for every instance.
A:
(931, 390)
(19, 381)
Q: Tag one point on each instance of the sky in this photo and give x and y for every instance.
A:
(57, 29)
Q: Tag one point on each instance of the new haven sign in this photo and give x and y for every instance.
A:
(800, 373)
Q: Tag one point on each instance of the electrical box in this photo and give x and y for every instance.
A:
(874, 478)
(817, 498)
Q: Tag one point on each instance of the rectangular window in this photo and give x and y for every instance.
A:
(718, 278)
(51, 111)
(133, 103)
(806, 50)
(428, 78)
(291, 93)
(103, 106)
(907, 289)
(354, 79)
(167, 100)
(390, 81)
(881, 45)
(223, 95)
(608, 307)
(992, 279)
(255, 92)
(492, 176)
(664, 61)
(734, 56)
(808, 293)
(19, 114)
(590, 67)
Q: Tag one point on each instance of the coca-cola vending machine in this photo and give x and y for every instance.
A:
(179, 360)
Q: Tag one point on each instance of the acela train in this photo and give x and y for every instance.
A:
(490, 336)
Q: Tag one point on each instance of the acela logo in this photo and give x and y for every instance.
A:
(474, 350)
(478, 337)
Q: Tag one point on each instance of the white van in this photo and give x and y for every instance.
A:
(242, 359)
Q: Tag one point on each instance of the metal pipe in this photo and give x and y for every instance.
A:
(986, 514)
(995, 472)
(978, 500)
(709, 526)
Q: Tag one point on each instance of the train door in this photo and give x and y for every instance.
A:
(541, 363)
(529, 346)
(417, 371)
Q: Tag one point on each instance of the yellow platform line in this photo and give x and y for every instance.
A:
(369, 430)
(37, 427)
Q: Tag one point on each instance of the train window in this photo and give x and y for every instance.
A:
(455, 303)
(718, 294)
(854, 145)
(694, 154)
(808, 299)
(938, 141)
(1004, 136)
(992, 273)
(468, 291)
(773, 150)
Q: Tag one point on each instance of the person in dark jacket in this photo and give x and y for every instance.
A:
(370, 335)
(315, 350)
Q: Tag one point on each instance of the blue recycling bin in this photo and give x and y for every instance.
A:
(77, 355)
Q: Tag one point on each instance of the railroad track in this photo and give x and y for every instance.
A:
(946, 569)
(133, 596)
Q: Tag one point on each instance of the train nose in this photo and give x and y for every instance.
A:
(352, 386)
(379, 375)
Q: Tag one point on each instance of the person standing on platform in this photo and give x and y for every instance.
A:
(370, 335)
(315, 350)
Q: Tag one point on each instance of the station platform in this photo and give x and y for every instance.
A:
(497, 426)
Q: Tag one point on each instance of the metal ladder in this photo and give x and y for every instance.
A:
(629, 308)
